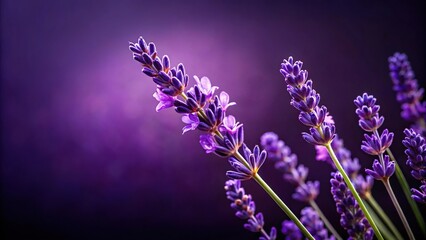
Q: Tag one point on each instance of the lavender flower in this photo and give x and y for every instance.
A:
(191, 120)
(306, 100)
(170, 81)
(352, 218)
(290, 231)
(224, 146)
(419, 195)
(382, 171)
(245, 209)
(363, 185)
(307, 192)
(376, 145)
(416, 154)
(224, 101)
(370, 120)
(164, 100)
(368, 113)
(309, 218)
(206, 87)
(408, 93)
(286, 162)
(255, 161)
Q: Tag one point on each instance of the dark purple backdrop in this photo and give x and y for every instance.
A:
(85, 155)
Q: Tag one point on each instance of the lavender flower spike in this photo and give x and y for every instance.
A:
(416, 154)
(290, 231)
(408, 93)
(246, 209)
(286, 162)
(306, 100)
(370, 121)
(352, 218)
(311, 220)
(313, 223)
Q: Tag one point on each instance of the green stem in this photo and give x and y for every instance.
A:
(398, 208)
(282, 205)
(385, 231)
(354, 192)
(370, 199)
(330, 227)
(406, 189)
(277, 199)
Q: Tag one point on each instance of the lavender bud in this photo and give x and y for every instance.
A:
(352, 218)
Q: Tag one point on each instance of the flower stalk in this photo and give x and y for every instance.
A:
(278, 201)
(398, 209)
(370, 199)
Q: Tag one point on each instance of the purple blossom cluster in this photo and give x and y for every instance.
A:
(255, 161)
(286, 162)
(408, 93)
(374, 144)
(309, 218)
(201, 109)
(306, 100)
(416, 160)
(352, 218)
(245, 209)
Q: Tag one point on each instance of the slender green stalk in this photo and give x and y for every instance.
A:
(354, 192)
(398, 208)
(372, 202)
(330, 227)
(385, 231)
(277, 200)
(282, 205)
(406, 189)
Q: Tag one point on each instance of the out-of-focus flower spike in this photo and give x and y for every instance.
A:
(245, 209)
(419, 195)
(363, 185)
(408, 93)
(352, 218)
(290, 231)
(416, 159)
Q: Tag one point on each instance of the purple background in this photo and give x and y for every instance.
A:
(85, 155)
